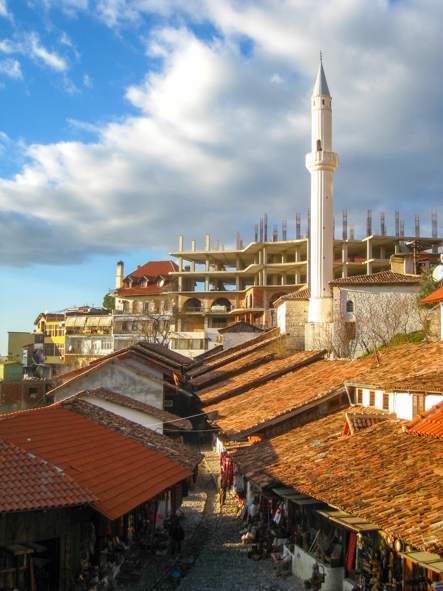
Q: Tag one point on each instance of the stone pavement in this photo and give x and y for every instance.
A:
(212, 557)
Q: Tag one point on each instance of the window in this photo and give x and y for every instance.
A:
(33, 392)
(385, 401)
(350, 331)
(54, 350)
(371, 397)
(418, 405)
(350, 306)
(360, 396)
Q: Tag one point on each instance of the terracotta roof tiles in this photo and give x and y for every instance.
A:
(187, 456)
(384, 277)
(122, 472)
(234, 353)
(257, 406)
(406, 361)
(377, 474)
(236, 383)
(28, 483)
(429, 423)
(433, 298)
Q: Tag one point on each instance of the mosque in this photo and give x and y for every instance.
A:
(214, 287)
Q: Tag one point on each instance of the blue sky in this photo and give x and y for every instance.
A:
(125, 123)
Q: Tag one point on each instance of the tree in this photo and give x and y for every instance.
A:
(109, 302)
(157, 328)
(426, 287)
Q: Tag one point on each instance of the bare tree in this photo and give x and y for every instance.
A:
(157, 328)
(380, 322)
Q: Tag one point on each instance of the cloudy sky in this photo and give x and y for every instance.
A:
(126, 123)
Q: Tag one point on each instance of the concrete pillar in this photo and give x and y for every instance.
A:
(344, 258)
(369, 256)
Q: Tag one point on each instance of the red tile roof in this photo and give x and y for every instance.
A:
(251, 410)
(187, 456)
(220, 353)
(434, 297)
(406, 361)
(28, 483)
(238, 366)
(234, 353)
(120, 471)
(151, 271)
(235, 383)
(427, 423)
(301, 294)
(382, 278)
(388, 478)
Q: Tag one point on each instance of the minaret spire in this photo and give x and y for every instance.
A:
(321, 163)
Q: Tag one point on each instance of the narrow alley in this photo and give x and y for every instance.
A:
(212, 556)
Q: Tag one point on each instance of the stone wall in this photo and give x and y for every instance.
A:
(292, 316)
(367, 316)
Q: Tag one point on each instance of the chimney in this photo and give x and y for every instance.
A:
(119, 276)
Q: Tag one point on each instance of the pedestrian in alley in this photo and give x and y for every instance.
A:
(177, 534)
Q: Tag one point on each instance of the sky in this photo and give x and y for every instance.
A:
(127, 123)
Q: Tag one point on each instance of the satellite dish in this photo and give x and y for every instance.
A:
(437, 273)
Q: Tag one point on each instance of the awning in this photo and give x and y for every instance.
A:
(296, 497)
(426, 559)
(75, 321)
(99, 321)
(355, 523)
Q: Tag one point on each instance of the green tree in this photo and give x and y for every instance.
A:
(108, 302)
(427, 286)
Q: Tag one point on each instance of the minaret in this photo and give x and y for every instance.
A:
(321, 163)
(119, 276)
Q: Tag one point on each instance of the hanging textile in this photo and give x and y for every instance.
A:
(351, 551)
(264, 505)
(279, 513)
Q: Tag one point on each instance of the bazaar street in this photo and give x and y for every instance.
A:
(212, 557)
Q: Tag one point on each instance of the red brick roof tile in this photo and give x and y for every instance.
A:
(236, 383)
(258, 406)
(427, 423)
(382, 278)
(150, 271)
(407, 361)
(434, 297)
(120, 471)
(301, 294)
(28, 483)
(234, 353)
(187, 456)
(380, 475)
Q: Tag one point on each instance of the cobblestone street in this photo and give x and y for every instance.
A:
(212, 556)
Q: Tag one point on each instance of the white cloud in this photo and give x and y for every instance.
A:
(40, 53)
(87, 81)
(222, 133)
(11, 68)
(29, 44)
(4, 10)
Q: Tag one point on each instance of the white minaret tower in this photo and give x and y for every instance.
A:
(321, 163)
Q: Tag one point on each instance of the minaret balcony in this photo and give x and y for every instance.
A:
(321, 160)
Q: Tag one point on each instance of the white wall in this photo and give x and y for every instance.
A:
(131, 414)
(400, 403)
(117, 378)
